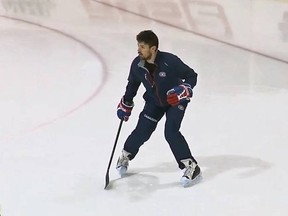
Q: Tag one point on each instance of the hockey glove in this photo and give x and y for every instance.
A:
(179, 94)
(124, 109)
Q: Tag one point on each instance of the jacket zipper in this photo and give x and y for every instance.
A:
(153, 84)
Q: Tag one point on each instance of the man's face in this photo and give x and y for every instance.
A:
(145, 52)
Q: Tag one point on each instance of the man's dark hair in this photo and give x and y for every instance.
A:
(148, 37)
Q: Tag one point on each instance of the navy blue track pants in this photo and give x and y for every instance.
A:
(147, 123)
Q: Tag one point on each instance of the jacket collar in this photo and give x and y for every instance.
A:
(142, 62)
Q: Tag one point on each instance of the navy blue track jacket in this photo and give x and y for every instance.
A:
(170, 71)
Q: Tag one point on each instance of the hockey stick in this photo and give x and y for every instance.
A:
(111, 157)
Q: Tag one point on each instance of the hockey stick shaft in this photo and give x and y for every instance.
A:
(112, 154)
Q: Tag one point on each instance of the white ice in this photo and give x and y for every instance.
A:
(62, 74)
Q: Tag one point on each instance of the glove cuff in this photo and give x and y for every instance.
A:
(127, 104)
(188, 89)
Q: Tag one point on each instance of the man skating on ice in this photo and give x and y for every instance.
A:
(168, 83)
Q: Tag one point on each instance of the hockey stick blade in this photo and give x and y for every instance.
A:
(107, 180)
(111, 157)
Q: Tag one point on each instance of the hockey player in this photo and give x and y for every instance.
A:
(168, 83)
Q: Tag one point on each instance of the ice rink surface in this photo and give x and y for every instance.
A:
(63, 69)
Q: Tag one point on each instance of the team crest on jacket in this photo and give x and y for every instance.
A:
(162, 74)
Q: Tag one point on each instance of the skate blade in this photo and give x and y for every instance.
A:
(122, 171)
(188, 183)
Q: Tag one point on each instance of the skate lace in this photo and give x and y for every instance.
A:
(123, 161)
(189, 172)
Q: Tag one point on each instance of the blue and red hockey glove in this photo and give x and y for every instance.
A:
(179, 93)
(124, 109)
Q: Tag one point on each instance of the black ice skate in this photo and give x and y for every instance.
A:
(123, 163)
(192, 173)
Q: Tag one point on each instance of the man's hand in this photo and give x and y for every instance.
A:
(179, 94)
(124, 109)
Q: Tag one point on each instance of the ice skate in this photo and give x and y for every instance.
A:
(123, 163)
(192, 173)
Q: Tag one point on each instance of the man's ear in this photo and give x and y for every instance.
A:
(154, 48)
